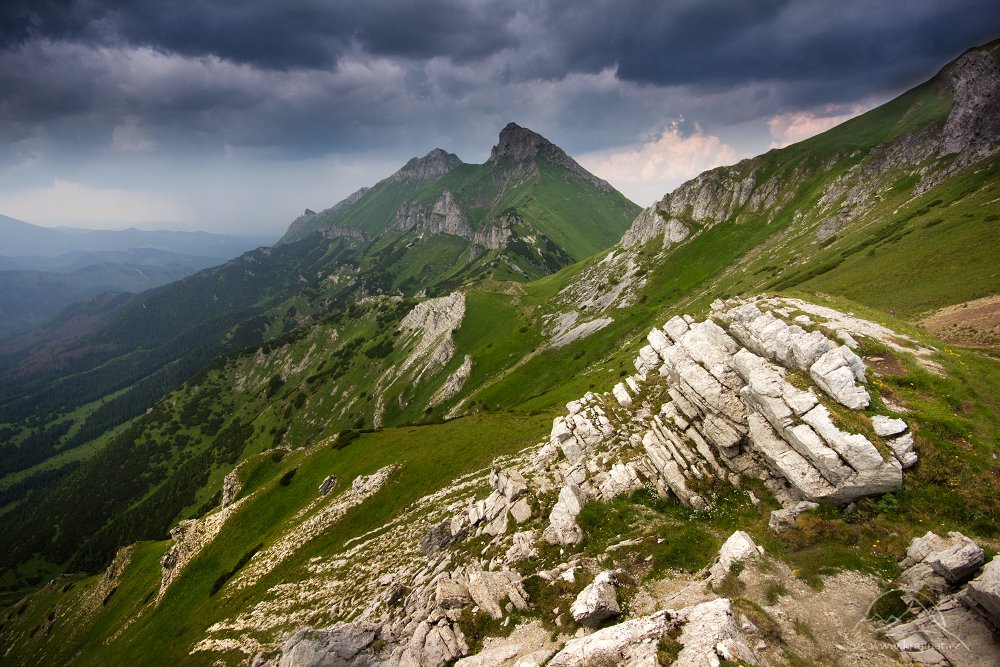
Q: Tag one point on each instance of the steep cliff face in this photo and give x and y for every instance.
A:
(970, 132)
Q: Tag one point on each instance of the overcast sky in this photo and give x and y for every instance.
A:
(234, 115)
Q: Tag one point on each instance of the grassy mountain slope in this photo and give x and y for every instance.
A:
(872, 216)
(66, 391)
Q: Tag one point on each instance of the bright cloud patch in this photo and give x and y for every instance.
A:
(70, 202)
(650, 171)
(130, 138)
(794, 126)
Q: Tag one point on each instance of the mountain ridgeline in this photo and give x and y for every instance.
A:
(474, 398)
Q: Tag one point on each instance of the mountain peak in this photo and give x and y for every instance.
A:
(519, 144)
(436, 163)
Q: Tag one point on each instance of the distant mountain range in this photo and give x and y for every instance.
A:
(23, 239)
(43, 270)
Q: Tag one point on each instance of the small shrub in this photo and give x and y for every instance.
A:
(730, 586)
(286, 479)
(379, 350)
(775, 590)
(274, 385)
(668, 648)
(802, 628)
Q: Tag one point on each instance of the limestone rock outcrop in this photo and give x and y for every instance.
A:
(431, 323)
(519, 144)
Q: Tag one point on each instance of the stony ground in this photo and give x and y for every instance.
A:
(973, 323)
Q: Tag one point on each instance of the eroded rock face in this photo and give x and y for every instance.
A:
(231, 486)
(974, 121)
(652, 224)
(432, 323)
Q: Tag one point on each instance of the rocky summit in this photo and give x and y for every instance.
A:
(498, 415)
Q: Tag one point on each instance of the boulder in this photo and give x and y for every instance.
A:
(488, 588)
(711, 634)
(959, 561)
(902, 449)
(784, 519)
(522, 547)
(658, 341)
(597, 602)
(346, 645)
(675, 328)
(648, 360)
(562, 430)
(520, 511)
(508, 483)
(452, 593)
(887, 426)
(435, 642)
(738, 548)
(621, 395)
(439, 537)
(632, 643)
(955, 558)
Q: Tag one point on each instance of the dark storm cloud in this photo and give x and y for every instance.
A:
(283, 34)
(311, 76)
(652, 41)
